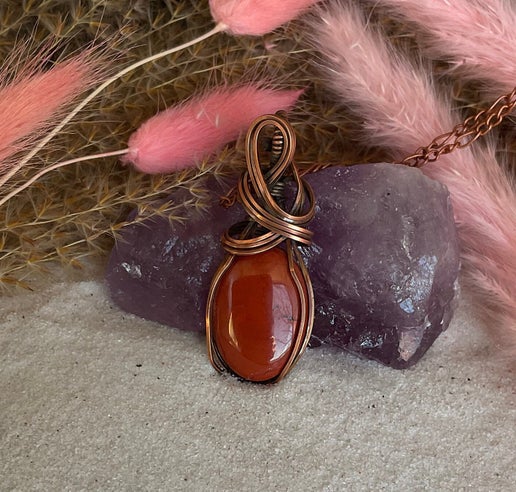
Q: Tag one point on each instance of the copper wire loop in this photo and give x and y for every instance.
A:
(260, 192)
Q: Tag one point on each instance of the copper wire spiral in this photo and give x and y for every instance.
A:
(260, 191)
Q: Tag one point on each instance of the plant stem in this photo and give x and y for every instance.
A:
(218, 28)
(58, 165)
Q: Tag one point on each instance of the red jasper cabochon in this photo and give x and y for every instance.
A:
(256, 315)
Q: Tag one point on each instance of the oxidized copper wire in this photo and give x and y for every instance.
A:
(270, 224)
(465, 133)
(256, 193)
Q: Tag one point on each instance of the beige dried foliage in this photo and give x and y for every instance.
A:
(75, 213)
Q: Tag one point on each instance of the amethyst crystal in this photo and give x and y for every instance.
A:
(384, 262)
(162, 271)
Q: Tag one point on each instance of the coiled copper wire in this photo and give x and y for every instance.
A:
(260, 193)
(260, 190)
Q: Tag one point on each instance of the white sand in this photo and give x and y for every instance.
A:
(95, 399)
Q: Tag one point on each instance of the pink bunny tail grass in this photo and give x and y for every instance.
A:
(367, 74)
(256, 17)
(477, 38)
(401, 111)
(32, 102)
(182, 136)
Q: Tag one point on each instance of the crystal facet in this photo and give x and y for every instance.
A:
(384, 262)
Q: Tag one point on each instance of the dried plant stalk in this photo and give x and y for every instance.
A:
(74, 213)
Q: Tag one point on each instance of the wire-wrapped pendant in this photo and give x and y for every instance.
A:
(260, 306)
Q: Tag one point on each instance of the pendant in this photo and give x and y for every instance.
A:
(260, 307)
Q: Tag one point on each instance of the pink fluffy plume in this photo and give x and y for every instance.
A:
(35, 98)
(256, 17)
(183, 135)
(401, 111)
(478, 38)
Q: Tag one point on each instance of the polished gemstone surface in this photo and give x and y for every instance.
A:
(255, 315)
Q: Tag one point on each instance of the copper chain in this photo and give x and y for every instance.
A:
(465, 133)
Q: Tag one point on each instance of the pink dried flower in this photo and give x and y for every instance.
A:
(256, 17)
(477, 38)
(33, 100)
(401, 111)
(181, 136)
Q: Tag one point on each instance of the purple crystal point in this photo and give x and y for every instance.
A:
(384, 262)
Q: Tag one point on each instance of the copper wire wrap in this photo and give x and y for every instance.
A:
(260, 191)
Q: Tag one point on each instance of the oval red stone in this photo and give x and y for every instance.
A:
(256, 315)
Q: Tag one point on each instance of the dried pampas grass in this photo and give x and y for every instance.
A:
(477, 39)
(401, 110)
